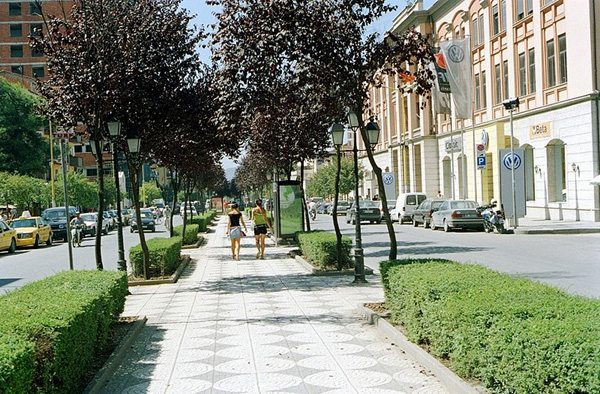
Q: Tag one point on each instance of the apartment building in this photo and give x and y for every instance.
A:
(546, 53)
(19, 20)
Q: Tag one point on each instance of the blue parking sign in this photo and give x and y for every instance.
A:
(481, 162)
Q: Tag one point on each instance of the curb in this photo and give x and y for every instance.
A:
(563, 231)
(319, 272)
(452, 382)
(196, 245)
(115, 359)
(173, 279)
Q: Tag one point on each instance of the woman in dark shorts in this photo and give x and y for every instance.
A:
(261, 223)
(234, 230)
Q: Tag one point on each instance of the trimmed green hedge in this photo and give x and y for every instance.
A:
(320, 248)
(191, 233)
(164, 256)
(514, 335)
(52, 329)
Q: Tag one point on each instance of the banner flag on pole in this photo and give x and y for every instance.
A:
(441, 100)
(457, 57)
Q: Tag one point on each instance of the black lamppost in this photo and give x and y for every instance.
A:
(114, 130)
(337, 132)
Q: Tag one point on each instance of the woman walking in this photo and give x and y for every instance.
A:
(261, 222)
(234, 230)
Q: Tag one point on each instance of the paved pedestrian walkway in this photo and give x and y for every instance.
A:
(260, 326)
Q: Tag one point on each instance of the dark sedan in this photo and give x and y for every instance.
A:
(424, 212)
(369, 212)
(148, 222)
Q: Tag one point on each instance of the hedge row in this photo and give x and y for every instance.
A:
(320, 247)
(164, 256)
(204, 220)
(51, 330)
(512, 334)
(191, 233)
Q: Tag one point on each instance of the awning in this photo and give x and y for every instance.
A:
(595, 181)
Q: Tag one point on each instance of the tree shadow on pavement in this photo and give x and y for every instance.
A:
(430, 250)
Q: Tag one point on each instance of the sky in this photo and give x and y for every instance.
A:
(204, 16)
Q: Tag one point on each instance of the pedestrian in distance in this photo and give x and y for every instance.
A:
(261, 223)
(234, 230)
(439, 194)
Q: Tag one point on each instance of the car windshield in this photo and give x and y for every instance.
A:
(463, 205)
(342, 203)
(147, 215)
(436, 204)
(125, 212)
(23, 223)
(54, 215)
(369, 204)
(88, 217)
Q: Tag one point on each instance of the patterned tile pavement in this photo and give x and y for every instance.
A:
(260, 326)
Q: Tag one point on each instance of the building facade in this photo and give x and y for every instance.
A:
(546, 53)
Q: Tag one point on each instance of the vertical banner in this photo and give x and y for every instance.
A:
(506, 163)
(457, 58)
(389, 183)
(290, 208)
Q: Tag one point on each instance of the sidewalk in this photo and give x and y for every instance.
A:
(259, 326)
(540, 226)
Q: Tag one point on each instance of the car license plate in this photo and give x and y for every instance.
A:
(367, 211)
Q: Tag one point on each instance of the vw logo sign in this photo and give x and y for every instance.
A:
(508, 162)
(484, 138)
(456, 54)
(388, 179)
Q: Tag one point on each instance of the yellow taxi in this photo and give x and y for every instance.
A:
(31, 231)
(8, 238)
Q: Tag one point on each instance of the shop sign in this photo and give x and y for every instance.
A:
(453, 145)
(541, 130)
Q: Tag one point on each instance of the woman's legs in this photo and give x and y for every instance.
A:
(233, 248)
(262, 245)
(257, 239)
(238, 246)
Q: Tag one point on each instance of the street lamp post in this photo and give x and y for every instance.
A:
(511, 105)
(114, 130)
(337, 131)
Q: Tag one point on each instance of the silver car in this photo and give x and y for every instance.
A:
(342, 208)
(453, 214)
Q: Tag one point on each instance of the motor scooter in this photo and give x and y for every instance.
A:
(76, 234)
(493, 220)
(313, 214)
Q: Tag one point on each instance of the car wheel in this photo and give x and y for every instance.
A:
(432, 225)
(94, 232)
(49, 240)
(414, 222)
(131, 230)
(425, 223)
(353, 221)
(447, 227)
(13, 246)
(36, 244)
(153, 229)
(378, 222)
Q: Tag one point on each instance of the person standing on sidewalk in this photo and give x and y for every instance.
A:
(261, 223)
(234, 230)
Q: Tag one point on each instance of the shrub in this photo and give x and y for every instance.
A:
(55, 327)
(320, 248)
(164, 256)
(385, 266)
(200, 221)
(191, 233)
(514, 335)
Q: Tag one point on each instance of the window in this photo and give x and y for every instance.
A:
(483, 90)
(550, 64)
(481, 29)
(495, 20)
(524, 8)
(78, 148)
(529, 7)
(14, 9)
(557, 171)
(529, 173)
(505, 72)
(532, 70)
(503, 15)
(38, 72)
(16, 51)
(477, 92)
(562, 57)
(475, 30)
(17, 69)
(33, 27)
(520, 10)
(90, 172)
(498, 78)
(35, 8)
(16, 30)
(36, 53)
(522, 75)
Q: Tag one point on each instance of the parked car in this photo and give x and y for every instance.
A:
(8, 237)
(406, 203)
(391, 206)
(323, 207)
(424, 212)
(190, 210)
(91, 221)
(369, 212)
(148, 222)
(454, 214)
(32, 231)
(342, 208)
(56, 218)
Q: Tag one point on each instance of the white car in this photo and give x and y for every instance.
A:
(190, 211)
(90, 220)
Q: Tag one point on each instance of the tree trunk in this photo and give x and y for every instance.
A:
(378, 173)
(336, 225)
(188, 186)
(135, 186)
(99, 219)
(304, 206)
(175, 183)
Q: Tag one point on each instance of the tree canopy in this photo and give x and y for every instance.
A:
(322, 184)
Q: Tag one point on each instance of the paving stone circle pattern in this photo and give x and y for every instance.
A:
(261, 326)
